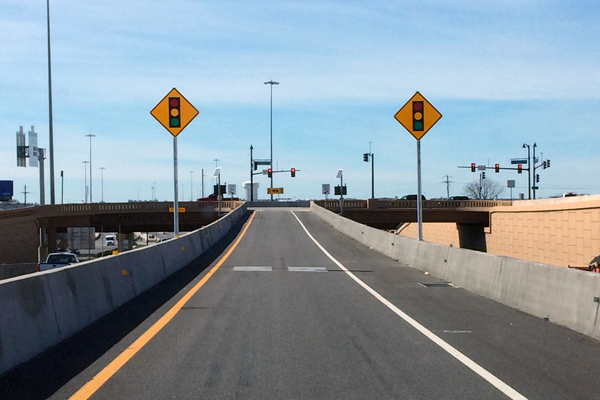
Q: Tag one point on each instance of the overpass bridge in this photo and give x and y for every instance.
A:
(27, 229)
(24, 230)
(288, 303)
(471, 216)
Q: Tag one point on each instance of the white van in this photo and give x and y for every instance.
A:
(110, 239)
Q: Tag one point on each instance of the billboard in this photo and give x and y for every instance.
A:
(6, 190)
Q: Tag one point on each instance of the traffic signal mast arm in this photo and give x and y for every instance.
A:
(485, 167)
(294, 170)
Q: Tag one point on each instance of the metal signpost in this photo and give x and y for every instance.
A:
(217, 175)
(418, 116)
(174, 112)
(340, 175)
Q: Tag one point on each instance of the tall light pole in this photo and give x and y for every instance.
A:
(85, 180)
(102, 183)
(192, 182)
(90, 136)
(528, 169)
(51, 130)
(271, 82)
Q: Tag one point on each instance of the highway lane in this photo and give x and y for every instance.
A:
(276, 333)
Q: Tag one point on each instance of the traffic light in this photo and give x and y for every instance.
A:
(293, 172)
(537, 178)
(174, 112)
(472, 167)
(497, 168)
(366, 157)
(418, 118)
(270, 172)
(544, 165)
(547, 163)
(483, 175)
(519, 169)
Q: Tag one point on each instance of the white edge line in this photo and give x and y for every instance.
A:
(479, 370)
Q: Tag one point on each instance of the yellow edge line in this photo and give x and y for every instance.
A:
(100, 379)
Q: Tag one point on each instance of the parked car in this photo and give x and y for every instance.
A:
(458, 198)
(412, 197)
(57, 260)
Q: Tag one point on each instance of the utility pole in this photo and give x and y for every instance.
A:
(447, 182)
(25, 193)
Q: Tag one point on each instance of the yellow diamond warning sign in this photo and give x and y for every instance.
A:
(174, 112)
(418, 116)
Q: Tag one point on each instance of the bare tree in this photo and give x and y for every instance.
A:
(489, 190)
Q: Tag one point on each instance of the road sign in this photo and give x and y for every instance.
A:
(418, 116)
(231, 188)
(481, 168)
(510, 183)
(518, 161)
(274, 190)
(180, 209)
(174, 112)
(326, 188)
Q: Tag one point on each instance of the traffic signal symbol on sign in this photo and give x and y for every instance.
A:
(174, 112)
(418, 117)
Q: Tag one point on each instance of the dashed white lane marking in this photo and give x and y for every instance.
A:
(479, 370)
(307, 269)
(251, 269)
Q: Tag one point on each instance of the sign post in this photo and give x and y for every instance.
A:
(174, 113)
(340, 175)
(418, 116)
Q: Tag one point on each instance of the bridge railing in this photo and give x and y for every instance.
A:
(391, 204)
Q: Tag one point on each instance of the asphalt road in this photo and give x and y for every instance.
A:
(278, 318)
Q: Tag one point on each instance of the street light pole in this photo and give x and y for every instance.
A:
(102, 183)
(192, 182)
(271, 82)
(51, 130)
(528, 170)
(90, 136)
(533, 172)
(85, 181)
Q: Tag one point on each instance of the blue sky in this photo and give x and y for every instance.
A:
(502, 73)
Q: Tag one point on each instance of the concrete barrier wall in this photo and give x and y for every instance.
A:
(565, 296)
(12, 270)
(42, 309)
